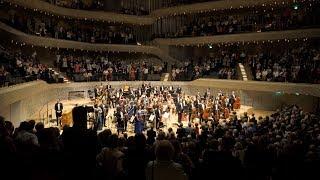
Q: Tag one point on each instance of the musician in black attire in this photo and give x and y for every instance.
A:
(58, 107)
(189, 110)
(120, 120)
(179, 90)
(95, 92)
(157, 114)
(180, 108)
(201, 109)
(132, 109)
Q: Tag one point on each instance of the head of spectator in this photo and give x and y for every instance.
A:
(79, 115)
(140, 141)
(164, 151)
(103, 137)
(113, 141)
(39, 126)
(32, 124)
(9, 127)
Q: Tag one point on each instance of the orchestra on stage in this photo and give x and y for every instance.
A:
(154, 106)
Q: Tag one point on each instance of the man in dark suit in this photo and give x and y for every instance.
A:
(157, 114)
(179, 90)
(58, 107)
(189, 111)
(180, 108)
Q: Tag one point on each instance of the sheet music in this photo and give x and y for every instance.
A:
(166, 115)
(132, 119)
(164, 107)
(151, 118)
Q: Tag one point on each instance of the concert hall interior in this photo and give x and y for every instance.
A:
(160, 89)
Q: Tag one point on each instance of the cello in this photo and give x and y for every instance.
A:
(237, 104)
(226, 113)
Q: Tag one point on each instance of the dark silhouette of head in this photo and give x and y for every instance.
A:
(39, 126)
(79, 116)
(164, 151)
(25, 126)
(140, 140)
(113, 141)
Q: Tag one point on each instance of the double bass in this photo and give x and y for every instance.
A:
(237, 104)
(226, 113)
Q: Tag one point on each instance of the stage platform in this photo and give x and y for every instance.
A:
(172, 121)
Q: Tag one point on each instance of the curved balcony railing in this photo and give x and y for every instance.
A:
(240, 38)
(131, 7)
(23, 38)
(47, 8)
(44, 7)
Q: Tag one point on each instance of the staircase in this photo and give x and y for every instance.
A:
(243, 74)
(61, 75)
(65, 80)
(165, 77)
(249, 72)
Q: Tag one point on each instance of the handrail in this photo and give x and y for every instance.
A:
(45, 7)
(44, 115)
(239, 38)
(67, 44)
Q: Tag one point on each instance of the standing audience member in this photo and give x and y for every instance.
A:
(80, 146)
(164, 168)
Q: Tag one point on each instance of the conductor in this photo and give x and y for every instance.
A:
(58, 107)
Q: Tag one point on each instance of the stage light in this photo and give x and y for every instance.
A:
(210, 46)
(278, 93)
(295, 6)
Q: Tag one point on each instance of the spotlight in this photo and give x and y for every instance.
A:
(296, 6)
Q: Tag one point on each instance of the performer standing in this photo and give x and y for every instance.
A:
(58, 107)
(157, 114)
(138, 124)
(131, 111)
(120, 120)
(99, 116)
(180, 108)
